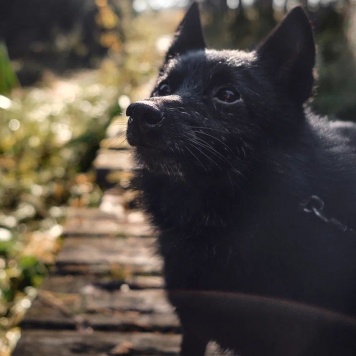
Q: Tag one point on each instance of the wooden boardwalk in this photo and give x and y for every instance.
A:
(104, 296)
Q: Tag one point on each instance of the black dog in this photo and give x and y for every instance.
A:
(251, 194)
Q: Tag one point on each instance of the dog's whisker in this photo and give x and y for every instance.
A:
(217, 139)
(197, 159)
(213, 150)
(201, 151)
(204, 149)
(207, 128)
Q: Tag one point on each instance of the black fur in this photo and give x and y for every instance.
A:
(229, 156)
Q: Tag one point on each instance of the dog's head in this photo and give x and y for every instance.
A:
(208, 108)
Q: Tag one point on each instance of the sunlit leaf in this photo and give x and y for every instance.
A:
(8, 79)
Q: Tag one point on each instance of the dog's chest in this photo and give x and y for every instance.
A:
(199, 263)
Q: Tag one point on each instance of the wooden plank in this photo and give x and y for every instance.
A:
(98, 295)
(119, 202)
(115, 143)
(89, 213)
(71, 302)
(144, 301)
(113, 160)
(73, 343)
(128, 310)
(75, 283)
(107, 254)
(95, 222)
(109, 161)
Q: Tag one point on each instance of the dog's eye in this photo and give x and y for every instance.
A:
(227, 95)
(163, 89)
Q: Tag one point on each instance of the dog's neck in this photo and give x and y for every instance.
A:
(205, 198)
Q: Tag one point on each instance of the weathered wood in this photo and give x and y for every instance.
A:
(118, 201)
(108, 161)
(74, 283)
(89, 213)
(125, 310)
(99, 343)
(73, 343)
(107, 254)
(145, 301)
(50, 318)
(94, 222)
(117, 321)
(114, 143)
(113, 160)
(99, 214)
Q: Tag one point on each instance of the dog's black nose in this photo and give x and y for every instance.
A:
(144, 124)
(145, 112)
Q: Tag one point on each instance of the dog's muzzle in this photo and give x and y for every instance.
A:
(144, 118)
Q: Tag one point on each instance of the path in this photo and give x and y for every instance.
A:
(104, 295)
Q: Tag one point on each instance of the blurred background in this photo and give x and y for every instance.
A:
(69, 68)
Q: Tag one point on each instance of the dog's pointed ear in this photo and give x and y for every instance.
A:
(189, 35)
(289, 54)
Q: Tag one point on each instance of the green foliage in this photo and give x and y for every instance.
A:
(20, 272)
(8, 78)
(45, 133)
(336, 67)
(48, 138)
